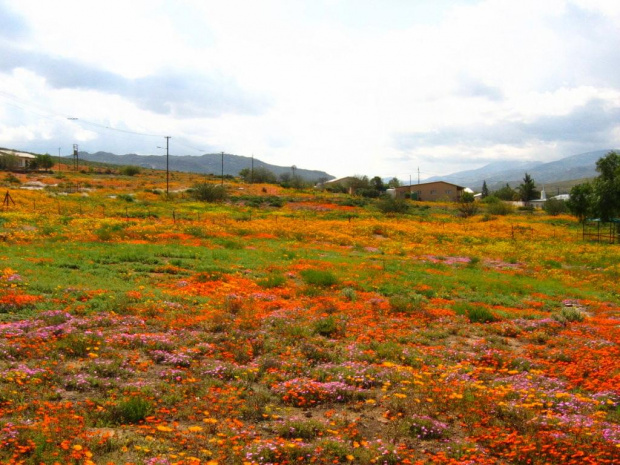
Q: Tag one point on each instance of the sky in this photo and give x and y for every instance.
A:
(378, 88)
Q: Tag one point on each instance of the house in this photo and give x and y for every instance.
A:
(22, 159)
(432, 191)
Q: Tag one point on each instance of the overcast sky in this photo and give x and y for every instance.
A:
(380, 87)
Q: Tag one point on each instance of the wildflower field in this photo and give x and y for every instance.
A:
(285, 326)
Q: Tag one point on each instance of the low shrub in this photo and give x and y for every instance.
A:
(206, 192)
(555, 207)
(500, 208)
(130, 170)
(321, 278)
(389, 204)
(131, 410)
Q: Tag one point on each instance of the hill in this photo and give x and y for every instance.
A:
(556, 173)
(208, 163)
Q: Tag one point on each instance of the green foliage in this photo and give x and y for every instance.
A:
(409, 303)
(9, 161)
(506, 193)
(321, 278)
(475, 314)
(602, 197)
(485, 190)
(327, 327)
(554, 207)
(581, 201)
(498, 207)
(126, 197)
(377, 184)
(130, 170)
(43, 162)
(569, 315)
(467, 205)
(394, 182)
(389, 204)
(298, 428)
(258, 175)
(206, 192)
(12, 179)
(132, 410)
(271, 281)
(527, 189)
(607, 186)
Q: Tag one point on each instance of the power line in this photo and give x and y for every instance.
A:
(125, 131)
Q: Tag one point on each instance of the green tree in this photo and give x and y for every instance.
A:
(377, 184)
(581, 201)
(467, 205)
(527, 189)
(505, 193)
(394, 182)
(8, 161)
(607, 187)
(44, 161)
(555, 206)
(259, 175)
(485, 190)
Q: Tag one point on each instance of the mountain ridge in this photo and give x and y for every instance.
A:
(579, 166)
(207, 163)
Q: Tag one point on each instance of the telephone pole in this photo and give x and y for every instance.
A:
(76, 159)
(167, 165)
(222, 169)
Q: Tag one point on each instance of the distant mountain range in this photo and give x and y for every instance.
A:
(208, 163)
(497, 174)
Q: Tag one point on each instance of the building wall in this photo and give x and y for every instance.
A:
(432, 191)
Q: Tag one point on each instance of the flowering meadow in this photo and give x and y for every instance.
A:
(285, 326)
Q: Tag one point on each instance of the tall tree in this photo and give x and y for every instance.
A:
(485, 189)
(394, 182)
(527, 189)
(607, 186)
(377, 184)
(581, 201)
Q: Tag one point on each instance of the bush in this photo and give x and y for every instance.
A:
(499, 208)
(130, 170)
(209, 192)
(389, 204)
(474, 314)
(271, 281)
(467, 205)
(327, 327)
(554, 207)
(132, 410)
(320, 278)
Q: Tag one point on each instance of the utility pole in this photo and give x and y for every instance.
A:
(167, 165)
(418, 175)
(222, 169)
(76, 160)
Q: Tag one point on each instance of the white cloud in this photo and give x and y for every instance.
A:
(330, 85)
